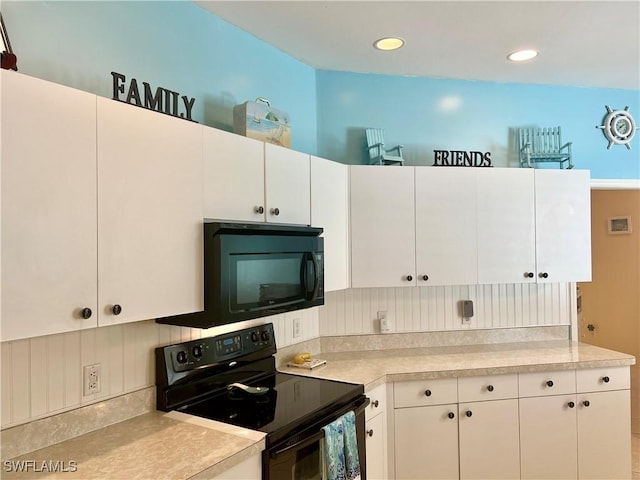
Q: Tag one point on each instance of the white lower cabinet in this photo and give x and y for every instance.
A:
(489, 439)
(376, 448)
(426, 442)
(376, 433)
(543, 425)
(548, 437)
(604, 435)
(585, 435)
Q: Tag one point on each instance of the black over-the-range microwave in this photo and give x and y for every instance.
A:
(257, 269)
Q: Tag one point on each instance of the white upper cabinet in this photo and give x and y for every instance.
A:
(233, 177)
(563, 225)
(287, 185)
(149, 214)
(446, 226)
(330, 210)
(506, 225)
(49, 253)
(382, 226)
(248, 180)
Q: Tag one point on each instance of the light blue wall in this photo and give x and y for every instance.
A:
(173, 44)
(177, 45)
(424, 114)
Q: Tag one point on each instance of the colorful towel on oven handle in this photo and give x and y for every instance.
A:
(340, 455)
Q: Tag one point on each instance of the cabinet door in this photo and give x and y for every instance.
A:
(382, 226)
(49, 251)
(288, 185)
(604, 435)
(506, 226)
(489, 440)
(548, 437)
(446, 226)
(563, 225)
(149, 214)
(330, 210)
(233, 176)
(426, 443)
(376, 448)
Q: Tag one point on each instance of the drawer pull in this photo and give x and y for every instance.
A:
(370, 432)
(409, 278)
(586, 403)
(605, 379)
(490, 388)
(468, 413)
(427, 392)
(549, 383)
(259, 209)
(451, 415)
(86, 313)
(375, 403)
(571, 404)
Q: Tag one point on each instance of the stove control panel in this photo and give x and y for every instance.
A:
(174, 360)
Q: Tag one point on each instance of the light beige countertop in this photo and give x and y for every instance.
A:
(155, 445)
(375, 367)
(177, 446)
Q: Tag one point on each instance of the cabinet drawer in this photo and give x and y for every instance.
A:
(417, 393)
(547, 383)
(488, 387)
(378, 397)
(599, 379)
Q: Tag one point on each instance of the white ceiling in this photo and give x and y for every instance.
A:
(581, 43)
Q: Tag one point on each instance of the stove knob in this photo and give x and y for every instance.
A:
(182, 356)
(254, 337)
(197, 351)
(265, 336)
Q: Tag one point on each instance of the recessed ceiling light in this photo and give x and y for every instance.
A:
(522, 55)
(388, 43)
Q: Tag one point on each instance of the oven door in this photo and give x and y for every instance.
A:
(302, 460)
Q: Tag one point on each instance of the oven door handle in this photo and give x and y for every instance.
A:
(314, 438)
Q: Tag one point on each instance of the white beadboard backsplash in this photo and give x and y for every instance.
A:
(432, 309)
(42, 376)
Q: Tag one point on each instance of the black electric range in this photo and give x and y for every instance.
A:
(232, 378)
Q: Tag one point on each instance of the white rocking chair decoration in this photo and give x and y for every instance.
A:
(539, 145)
(378, 155)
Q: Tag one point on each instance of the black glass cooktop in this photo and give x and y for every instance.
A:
(291, 403)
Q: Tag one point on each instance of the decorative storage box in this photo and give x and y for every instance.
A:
(260, 121)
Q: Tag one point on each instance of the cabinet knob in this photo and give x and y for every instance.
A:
(409, 278)
(490, 388)
(86, 313)
(468, 413)
(549, 383)
(259, 209)
(605, 379)
(586, 403)
(571, 404)
(425, 277)
(427, 392)
(370, 432)
(275, 211)
(543, 275)
(375, 403)
(528, 274)
(451, 415)
(117, 309)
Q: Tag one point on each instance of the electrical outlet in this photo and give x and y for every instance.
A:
(296, 328)
(92, 378)
(385, 323)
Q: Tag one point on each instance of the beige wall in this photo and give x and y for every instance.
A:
(611, 302)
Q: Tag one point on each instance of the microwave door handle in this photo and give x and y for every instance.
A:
(311, 257)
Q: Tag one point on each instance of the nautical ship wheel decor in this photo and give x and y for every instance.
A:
(618, 127)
